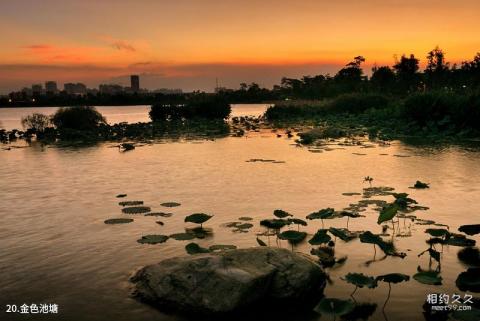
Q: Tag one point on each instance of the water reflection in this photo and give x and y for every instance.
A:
(58, 249)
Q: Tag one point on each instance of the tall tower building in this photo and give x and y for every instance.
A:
(135, 83)
(51, 87)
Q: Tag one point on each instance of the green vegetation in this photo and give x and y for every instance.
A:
(334, 307)
(197, 106)
(153, 239)
(428, 277)
(419, 114)
(78, 118)
(323, 247)
(198, 218)
(36, 122)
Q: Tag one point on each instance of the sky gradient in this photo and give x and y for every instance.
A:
(189, 43)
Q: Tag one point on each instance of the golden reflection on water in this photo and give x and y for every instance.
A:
(56, 248)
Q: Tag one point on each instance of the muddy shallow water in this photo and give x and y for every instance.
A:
(55, 247)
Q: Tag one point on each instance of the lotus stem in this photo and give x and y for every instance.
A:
(388, 296)
(355, 290)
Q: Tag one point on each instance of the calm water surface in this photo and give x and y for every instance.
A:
(55, 248)
(10, 118)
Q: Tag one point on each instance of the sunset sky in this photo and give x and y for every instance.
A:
(189, 43)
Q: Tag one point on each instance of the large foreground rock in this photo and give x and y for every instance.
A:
(225, 282)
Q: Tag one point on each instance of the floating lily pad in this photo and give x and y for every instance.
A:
(244, 226)
(387, 213)
(275, 224)
(393, 278)
(360, 280)
(348, 214)
(351, 194)
(293, 237)
(170, 204)
(437, 232)
(387, 247)
(260, 242)
(469, 256)
(322, 214)
(182, 236)
(130, 203)
(459, 240)
(469, 280)
(221, 247)
(198, 218)
(136, 210)
(245, 218)
(320, 237)
(343, 234)
(470, 229)
(335, 307)
(377, 191)
(232, 224)
(162, 214)
(369, 237)
(297, 221)
(420, 221)
(281, 213)
(194, 248)
(153, 239)
(121, 195)
(421, 185)
(428, 277)
(118, 221)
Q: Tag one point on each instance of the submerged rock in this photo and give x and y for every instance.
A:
(216, 283)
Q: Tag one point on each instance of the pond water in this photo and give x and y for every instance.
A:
(55, 247)
(10, 118)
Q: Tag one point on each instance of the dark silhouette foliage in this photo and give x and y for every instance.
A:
(197, 106)
(36, 122)
(83, 118)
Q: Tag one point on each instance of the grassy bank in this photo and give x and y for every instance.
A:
(425, 114)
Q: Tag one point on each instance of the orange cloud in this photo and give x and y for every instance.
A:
(122, 45)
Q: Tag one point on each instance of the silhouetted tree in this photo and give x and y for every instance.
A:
(437, 70)
(406, 70)
(350, 77)
(470, 72)
(383, 79)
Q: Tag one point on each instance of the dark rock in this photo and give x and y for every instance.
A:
(233, 280)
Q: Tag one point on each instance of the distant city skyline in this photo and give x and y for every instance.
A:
(188, 44)
(51, 87)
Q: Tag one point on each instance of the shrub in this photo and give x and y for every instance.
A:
(295, 109)
(78, 118)
(348, 103)
(36, 122)
(357, 103)
(197, 106)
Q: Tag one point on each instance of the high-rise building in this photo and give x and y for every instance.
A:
(75, 89)
(110, 89)
(135, 83)
(37, 89)
(51, 87)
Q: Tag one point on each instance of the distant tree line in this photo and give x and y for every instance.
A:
(401, 79)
